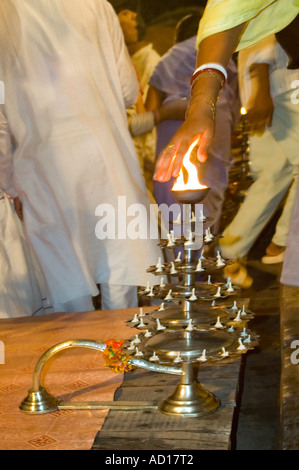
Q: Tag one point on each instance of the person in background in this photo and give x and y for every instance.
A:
(69, 79)
(20, 291)
(170, 86)
(266, 89)
(142, 124)
(226, 27)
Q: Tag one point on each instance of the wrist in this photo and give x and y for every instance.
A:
(206, 86)
(201, 100)
(211, 78)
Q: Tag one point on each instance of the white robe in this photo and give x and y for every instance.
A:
(20, 294)
(68, 80)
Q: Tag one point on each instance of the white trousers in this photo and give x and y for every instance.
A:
(274, 162)
(113, 298)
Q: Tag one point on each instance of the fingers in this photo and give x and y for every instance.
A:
(181, 152)
(171, 158)
(20, 214)
(164, 164)
(204, 144)
(18, 208)
(170, 161)
(258, 128)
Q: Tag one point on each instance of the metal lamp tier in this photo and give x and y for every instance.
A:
(184, 330)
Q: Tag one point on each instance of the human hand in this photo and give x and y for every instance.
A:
(260, 111)
(260, 106)
(199, 125)
(18, 207)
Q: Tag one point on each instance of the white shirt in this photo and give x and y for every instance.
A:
(68, 80)
(268, 51)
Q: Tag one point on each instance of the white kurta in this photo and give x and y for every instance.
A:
(68, 79)
(20, 295)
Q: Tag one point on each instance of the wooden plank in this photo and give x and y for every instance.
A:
(127, 443)
(151, 429)
(132, 422)
(151, 435)
(222, 389)
(148, 429)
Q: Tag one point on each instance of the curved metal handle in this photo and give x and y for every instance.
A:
(74, 343)
(99, 346)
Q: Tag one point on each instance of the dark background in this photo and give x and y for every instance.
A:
(152, 9)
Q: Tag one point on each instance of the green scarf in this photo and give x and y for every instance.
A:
(264, 17)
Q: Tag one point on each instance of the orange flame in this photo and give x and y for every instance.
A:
(192, 182)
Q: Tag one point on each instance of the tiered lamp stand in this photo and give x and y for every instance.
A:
(190, 326)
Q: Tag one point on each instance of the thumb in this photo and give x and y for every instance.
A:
(205, 143)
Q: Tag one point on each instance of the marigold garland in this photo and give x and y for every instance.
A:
(114, 356)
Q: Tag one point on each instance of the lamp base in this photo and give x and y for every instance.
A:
(40, 402)
(190, 400)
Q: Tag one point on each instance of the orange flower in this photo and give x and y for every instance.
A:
(115, 358)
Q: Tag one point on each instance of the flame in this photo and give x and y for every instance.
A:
(243, 111)
(192, 182)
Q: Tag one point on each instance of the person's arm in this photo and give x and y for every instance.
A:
(200, 119)
(141, 123)
(260, 106)
(154, 98)
(173, 110)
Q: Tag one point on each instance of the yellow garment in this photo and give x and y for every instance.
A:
(264, 17)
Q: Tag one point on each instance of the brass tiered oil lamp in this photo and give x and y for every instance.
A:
(185, 329)
(190, 326)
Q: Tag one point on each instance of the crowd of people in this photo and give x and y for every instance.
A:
(94, 115)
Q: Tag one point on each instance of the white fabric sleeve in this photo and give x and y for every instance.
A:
(263, 52)
(141, 123)
(127, 73)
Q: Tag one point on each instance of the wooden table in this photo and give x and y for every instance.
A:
(79, 375)
(152, 430)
